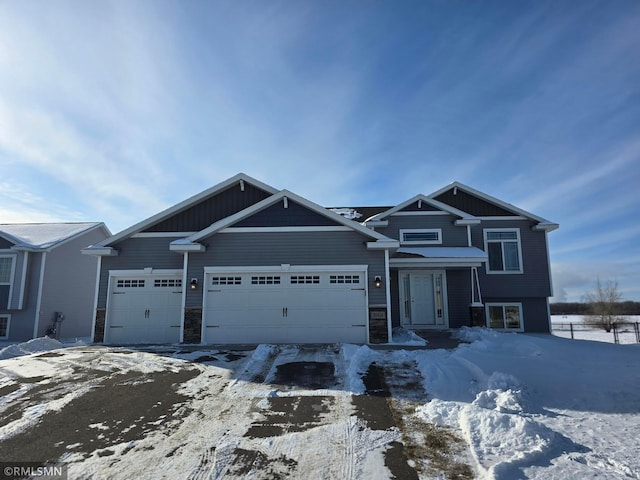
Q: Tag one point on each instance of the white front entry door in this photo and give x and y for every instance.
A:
(313, 306)
(423, 299)
(144, 309)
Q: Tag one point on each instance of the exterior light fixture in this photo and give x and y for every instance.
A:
(377, 281)
(194, 283)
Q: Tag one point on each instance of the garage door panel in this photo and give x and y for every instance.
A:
(285, 307)
(145, 309)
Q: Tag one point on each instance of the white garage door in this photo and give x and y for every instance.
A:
(285, 307)
(144, 309)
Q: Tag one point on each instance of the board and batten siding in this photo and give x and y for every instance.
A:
(534, 281)
(5, 244)
(212, 209)
(137, 254)
(293, 248)
(452, 236)
(294, 215)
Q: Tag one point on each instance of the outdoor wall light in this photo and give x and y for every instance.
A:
(194, 283)
(377, 281)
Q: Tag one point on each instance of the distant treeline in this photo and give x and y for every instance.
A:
(622, 308)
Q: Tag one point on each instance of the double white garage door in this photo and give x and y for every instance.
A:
(260, 306)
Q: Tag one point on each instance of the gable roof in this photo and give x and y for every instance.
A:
(45, 236)
(543, 224)
(240, 178)
(465, 217)
(267, 202)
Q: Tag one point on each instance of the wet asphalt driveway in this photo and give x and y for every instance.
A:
(274, 412)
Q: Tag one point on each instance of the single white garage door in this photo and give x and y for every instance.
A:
(144, 309)
(285, 307)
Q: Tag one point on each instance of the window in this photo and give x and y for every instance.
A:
(504, 250)
(226, 280)
(504, 316)
(305, 279)
(135, 283)
(168, 282)
(265, 280)
(4, 326)
(431, 236)
(342, 279)
(6, 267)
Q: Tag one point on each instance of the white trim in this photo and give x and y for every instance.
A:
(267, 202)
(36, 323)
(520, 271)
(467, 221)
(285, 229)
(383, 245)
(402, 231)
(445, 297)
(12, 280)
(23, 280)
(8, 317)
(435, 262)
(95, 301)
(429, 201)
(185, 204)
(493, 200)
(187, 247)
(387, 298)
(185, 287)
(144, 271)
(510, 218)
(549, 316)
(503, 305)
(162, 234)
(287, 268)
(469, 244)
(100, 251)
(416, 212)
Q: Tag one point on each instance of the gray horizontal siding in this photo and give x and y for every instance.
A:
(22, 321)
(212, 209)
(293, 216)
(534, 282)
(535, 314)
(459, 297)
(294, 248)
(138, 253)
(452, 236)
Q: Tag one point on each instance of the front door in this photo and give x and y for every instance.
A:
(423, 299)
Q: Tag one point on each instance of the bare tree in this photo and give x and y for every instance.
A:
(604, 304)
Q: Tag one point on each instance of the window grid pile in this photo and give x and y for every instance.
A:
(305, 279)
(134, 283)
(226, 280)
(265, 280)
(168, 282)
(342, 279)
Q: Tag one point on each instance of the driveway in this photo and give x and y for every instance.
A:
(270, 412)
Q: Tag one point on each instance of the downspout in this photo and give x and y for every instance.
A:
(185, 287)
(36, 323)
(95, 301)
(388, 293)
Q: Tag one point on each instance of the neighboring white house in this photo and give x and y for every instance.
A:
(46, 284)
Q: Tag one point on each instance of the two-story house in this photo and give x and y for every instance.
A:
(243, 262)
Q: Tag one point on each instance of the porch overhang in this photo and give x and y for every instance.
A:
(440, 257)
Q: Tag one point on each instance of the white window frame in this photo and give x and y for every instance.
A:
(504, 305)
(421, 242)
(8, 317)
(12, 273)
(486, 249)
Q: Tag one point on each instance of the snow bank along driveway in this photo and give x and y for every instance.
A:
(502, 406)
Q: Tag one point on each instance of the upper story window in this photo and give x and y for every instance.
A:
(6, 266)
(504, 250)
(430, 236)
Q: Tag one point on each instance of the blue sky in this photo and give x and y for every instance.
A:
(113, 111)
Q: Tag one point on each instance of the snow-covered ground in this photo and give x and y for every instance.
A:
(526, 406)
(581, 331)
